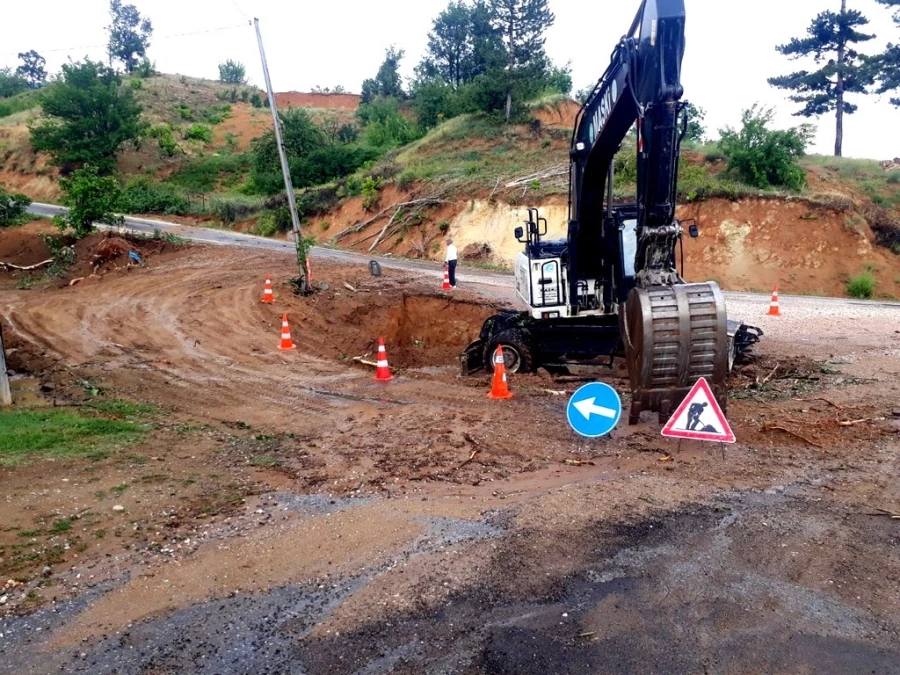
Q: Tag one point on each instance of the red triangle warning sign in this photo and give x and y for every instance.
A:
(699, 417)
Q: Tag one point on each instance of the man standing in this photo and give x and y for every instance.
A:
(451, 262)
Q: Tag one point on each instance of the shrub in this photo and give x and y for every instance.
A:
(861, 286)
(893, 177)
(199, 132)
(762, 157)
(163, 134)
(256, 100)
(91, 198)
(185, 112)
(443, 226)
(370, 188)
(144, 195)
(12, 208)
(232, 72)
(204, 174)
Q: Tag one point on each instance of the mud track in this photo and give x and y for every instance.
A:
(418, 527)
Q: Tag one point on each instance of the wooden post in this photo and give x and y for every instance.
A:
(5, 394)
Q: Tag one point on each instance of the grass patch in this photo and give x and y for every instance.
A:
(208, 172)
(36, 433)
(862, 286)
(20, 102)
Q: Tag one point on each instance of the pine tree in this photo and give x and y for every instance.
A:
(885, 67)
(521, 24)
(831, 36)
(387, 81)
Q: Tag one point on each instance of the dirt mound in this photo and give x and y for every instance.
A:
(296, 99)
(23, 246)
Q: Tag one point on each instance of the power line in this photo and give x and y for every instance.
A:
(238, 7)
(155, 37)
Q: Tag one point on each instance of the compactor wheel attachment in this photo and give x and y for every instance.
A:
(673, 336)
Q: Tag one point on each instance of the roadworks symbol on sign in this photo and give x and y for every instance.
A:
(699, 417)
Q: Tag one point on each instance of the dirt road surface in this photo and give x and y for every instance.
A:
(288, 514)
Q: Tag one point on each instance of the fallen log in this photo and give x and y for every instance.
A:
(26, 268)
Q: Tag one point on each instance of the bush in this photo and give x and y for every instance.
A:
(861, 286)
(205, 174)
(256, 101)
(384, 126)
(146, 68)
(163, 134)
(13, 208)
(144, 195)
(762, 157)
(91, 198)
(199, 132)
(232, 72)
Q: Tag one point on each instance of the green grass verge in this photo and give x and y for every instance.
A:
(28, 434)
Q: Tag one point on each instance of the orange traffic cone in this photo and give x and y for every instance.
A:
(773, 306)
(383, 373)
(446, 285)
(499, 388)
(268, 296)
(286, 342)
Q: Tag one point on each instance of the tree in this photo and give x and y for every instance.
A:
(695, 130)
(387, 81)
(32, 69)
(232, 72)
(831, 36)
(12, 208)
(885, 67)
(91, 198)
(763, 157)
(90, 115)
(521, 25)
(129, 35)
(451, 45)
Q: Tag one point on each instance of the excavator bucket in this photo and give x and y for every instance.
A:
(673, 336)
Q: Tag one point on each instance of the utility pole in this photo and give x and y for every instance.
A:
(285, 169)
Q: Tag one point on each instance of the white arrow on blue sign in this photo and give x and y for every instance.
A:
(594, 410)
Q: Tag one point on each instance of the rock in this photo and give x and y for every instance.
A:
(118, 508)
(543, 372)
(775, 490)
(896, 413)
(3, 599)
(47, 571)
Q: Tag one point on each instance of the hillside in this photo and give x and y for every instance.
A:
(473, 178)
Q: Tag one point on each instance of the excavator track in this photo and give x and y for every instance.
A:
(673, 336)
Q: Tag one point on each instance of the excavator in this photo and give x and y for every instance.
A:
(613, 288)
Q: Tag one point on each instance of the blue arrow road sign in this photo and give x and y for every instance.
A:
(594, 410)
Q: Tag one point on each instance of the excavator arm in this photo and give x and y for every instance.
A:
(672, 332)
(642, 85)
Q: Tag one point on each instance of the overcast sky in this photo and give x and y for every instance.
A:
(730, 47)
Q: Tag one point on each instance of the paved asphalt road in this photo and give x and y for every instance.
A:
(466, 275)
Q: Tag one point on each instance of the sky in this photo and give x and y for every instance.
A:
(730, 47)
